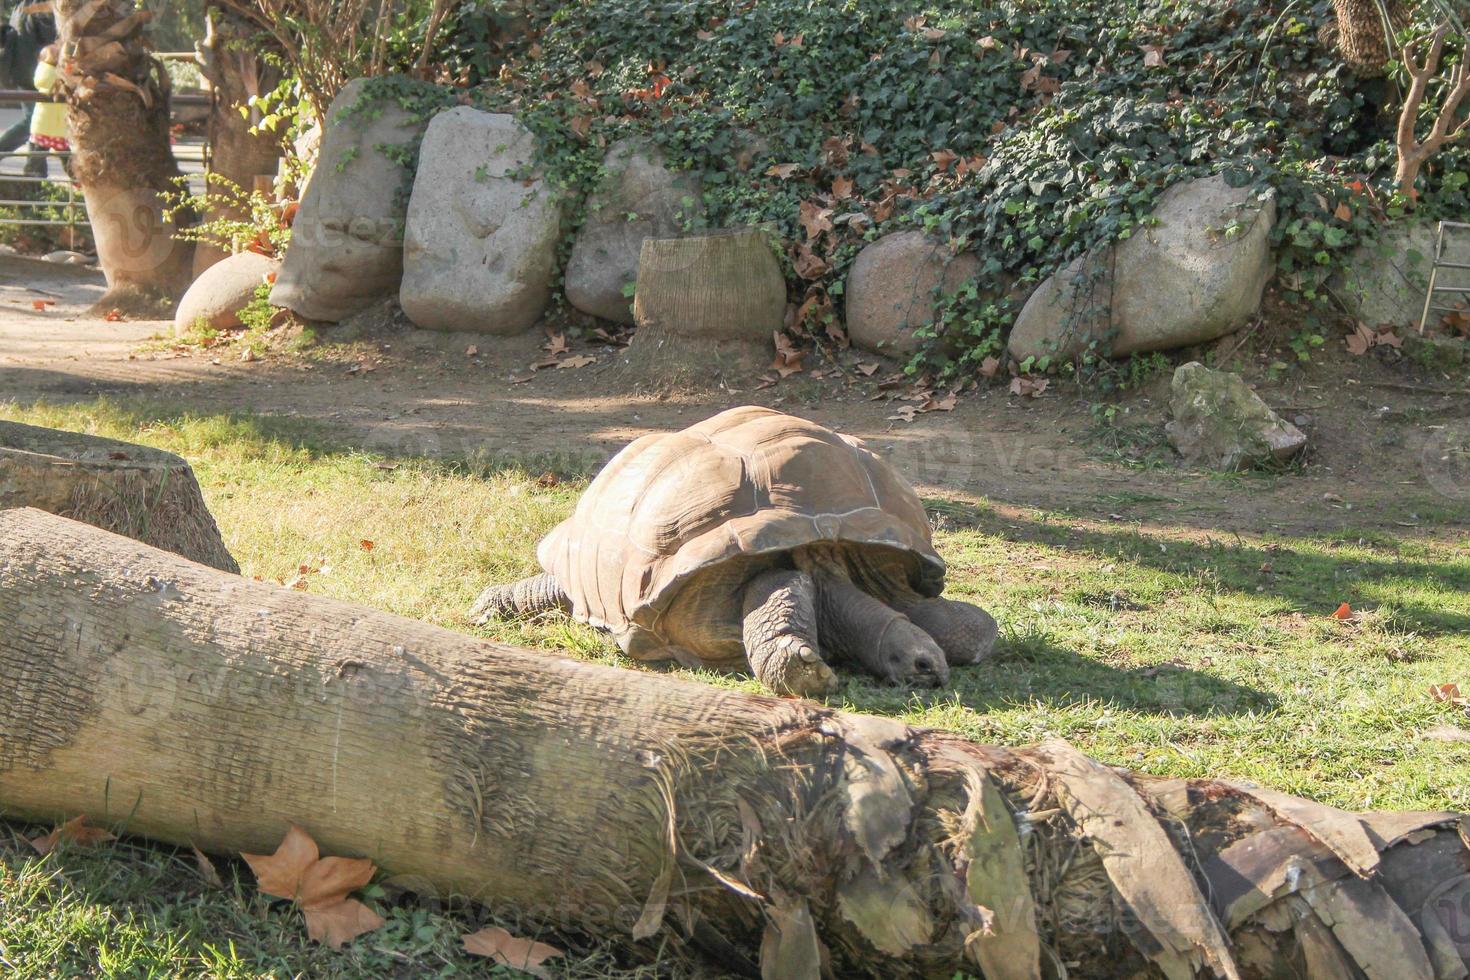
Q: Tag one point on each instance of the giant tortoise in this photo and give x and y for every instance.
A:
(755, 539)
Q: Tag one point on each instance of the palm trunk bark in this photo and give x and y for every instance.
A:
(119, 98)
(791, 839)
(234, 66)
(1362, 39)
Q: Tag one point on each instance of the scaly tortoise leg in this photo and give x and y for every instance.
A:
(780, 634)
(964, 631)
(528, 597)
(858, 627)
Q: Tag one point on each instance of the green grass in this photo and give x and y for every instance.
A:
(1164, 650)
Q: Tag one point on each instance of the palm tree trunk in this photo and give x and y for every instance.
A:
(782, 836)
(119, 97)
(235, 69)
(1361, 37)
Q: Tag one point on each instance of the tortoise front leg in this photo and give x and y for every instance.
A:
(529, 596)
(858, 627)
(964, 631)
(780, 634)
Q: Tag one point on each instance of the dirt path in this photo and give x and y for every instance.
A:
(1381, 432)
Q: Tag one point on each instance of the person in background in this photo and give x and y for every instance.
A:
(48, 122)
(32, 26)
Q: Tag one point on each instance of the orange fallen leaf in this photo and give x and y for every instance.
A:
(319, 885)
(74, 831)
(1448, 693)
(366, 544)
(501, 947)
(113, 315)
(41, 304)
(1343, 611)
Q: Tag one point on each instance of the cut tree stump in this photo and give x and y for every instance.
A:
(707, 302)
(166, 699)
(135, 491)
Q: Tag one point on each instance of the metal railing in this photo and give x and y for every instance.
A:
(68, 210)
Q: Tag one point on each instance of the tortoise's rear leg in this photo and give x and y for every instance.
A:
(780, 634)
(528, 597)
(964, 631)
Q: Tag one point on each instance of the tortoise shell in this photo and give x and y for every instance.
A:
(662, 542)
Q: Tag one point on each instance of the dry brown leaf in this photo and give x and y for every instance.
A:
(279, 874)
(548, 479)
(1389, 339)
(808, 264)
(815, 218)
(319, 885)
(1153, 55)
(73, 831)
(782, 171)
(766, 381)
(1343, 212)
(555, 344)
(841, 188)
(834, 148)
(944, 159)
(1028, 387)
(580, 361)
(501, 947)
(471, 351)
(989, 367)
(868, 368)
(1449, 694)
(987, 43)
(944, 404)
(340, 923)
(904, 413)
(206, 868)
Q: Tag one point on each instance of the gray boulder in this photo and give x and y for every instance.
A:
(217, 296)
(1220, 423)
(346, 248)
(641, 198)
(480, 242)
(895, 286)
(1195, 276)
(1384, 281)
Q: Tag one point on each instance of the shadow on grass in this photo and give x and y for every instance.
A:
(1030, 669)
(129, 417)
(1305, 580)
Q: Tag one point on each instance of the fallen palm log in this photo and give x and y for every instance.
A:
(133, 490)
(173, 701)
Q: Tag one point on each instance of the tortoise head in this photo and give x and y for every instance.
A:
(910, 657)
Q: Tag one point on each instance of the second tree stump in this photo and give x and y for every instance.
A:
(143, 493)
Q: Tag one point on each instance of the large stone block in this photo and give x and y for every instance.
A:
(641, 198)
(346, 248)
(480, 242)
(1196, 275)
